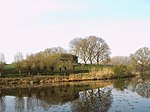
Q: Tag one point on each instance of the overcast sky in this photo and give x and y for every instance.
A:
(30, 26)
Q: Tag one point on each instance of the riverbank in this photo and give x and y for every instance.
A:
(43, 80)
(81, 73)
(34, 79)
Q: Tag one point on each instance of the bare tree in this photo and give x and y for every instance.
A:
(2, 62)
(18, 58)
(29, 63)
(45, 61)
(79, 47)
(55, 50)
(98, 50)
(141, 59)
(74, 46)
(102, 51)
(38, 62)
(53, 62)
(120, 60)
(90, 49)
(83, 50)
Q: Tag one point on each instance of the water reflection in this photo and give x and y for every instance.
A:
(2, 104)
(45, 98)
(31, 103)
(120, 84)
(141, 86)
(94, 100)
(19, 103)
(94, 96)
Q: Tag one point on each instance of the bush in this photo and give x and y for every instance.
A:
(121, 71)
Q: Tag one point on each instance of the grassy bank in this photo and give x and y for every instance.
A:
(103, 73)
(10, 70)
(80, 72)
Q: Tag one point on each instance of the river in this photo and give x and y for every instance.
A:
(123, 95)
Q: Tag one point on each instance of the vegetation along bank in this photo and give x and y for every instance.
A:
(88, 59)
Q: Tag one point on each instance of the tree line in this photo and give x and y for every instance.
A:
(87, 50)
(45, 62)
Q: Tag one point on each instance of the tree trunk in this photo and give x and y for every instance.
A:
(97, 59)
(65, 69)
(91, 62)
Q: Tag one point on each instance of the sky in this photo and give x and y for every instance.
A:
(31, 26)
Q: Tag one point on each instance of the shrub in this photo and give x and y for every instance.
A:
(103, 72)
(120, 71)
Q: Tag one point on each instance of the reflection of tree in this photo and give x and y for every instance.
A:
(142, 87)
(97, 100)
(120, 84)
(2, 104)
(31, 101)
(37, 101)
(44, 98)
(19, 102)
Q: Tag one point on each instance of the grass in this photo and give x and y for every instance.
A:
(102, 72)
(13, 75)
(82, 71)
(9, 66)
(11, 71)
(94, 73)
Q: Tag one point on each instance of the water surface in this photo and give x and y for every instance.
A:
(126, 95)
